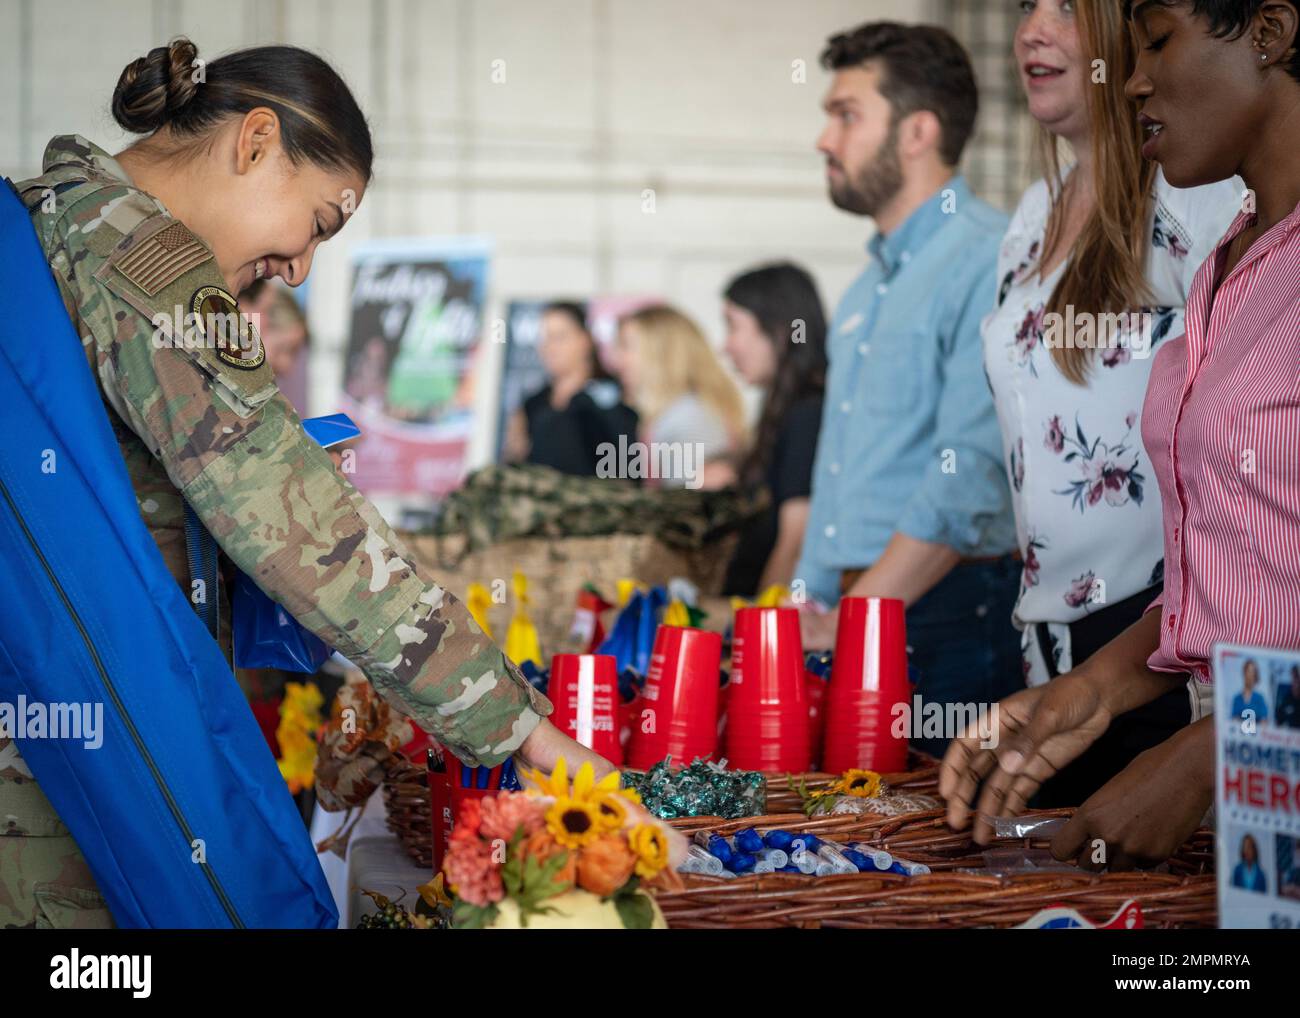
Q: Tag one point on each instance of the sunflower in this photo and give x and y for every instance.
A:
(862, 784)
(650, 844)
(572, 822)
(585, 786)
(556, 785)
(611, 812)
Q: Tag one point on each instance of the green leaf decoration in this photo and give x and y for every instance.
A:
(537, 883)
(634, 910)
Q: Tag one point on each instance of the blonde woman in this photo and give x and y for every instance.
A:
(686, 400)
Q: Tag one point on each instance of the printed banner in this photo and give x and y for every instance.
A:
(1257, 786)
(408, 376)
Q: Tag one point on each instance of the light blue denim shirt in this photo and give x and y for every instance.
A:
(909, 440)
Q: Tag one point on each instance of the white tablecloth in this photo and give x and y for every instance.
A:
(375, 861)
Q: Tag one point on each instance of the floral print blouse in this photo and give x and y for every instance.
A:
(1088, 517)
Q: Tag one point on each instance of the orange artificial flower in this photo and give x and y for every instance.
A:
(604, 865)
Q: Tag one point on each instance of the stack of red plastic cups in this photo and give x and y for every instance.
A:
(584, 690)
(678, 708)
(767, 706)
(868, 678)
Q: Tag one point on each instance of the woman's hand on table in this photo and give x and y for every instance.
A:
(1143, 814)
(1038, 731)
(547, 744)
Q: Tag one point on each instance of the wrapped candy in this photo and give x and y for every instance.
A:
(703, 788)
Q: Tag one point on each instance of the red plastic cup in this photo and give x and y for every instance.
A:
(868, 678)
(816, 687)
(681, 688)
(584, 690)
(441, 812)
(767, 707)
(629, 716)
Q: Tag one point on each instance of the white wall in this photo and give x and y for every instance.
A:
(601, 99)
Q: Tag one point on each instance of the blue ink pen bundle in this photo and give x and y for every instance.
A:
(778, 851)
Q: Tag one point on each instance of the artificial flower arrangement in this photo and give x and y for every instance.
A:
(300, 720)
(558, 855)
(859, 791)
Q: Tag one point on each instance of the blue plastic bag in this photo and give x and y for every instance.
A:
(267, 636)
(632, 639)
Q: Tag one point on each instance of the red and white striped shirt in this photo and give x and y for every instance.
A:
(1221, 423)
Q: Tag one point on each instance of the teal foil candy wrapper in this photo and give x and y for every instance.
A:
(703, 788)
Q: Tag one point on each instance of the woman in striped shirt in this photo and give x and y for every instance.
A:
(1218, 86)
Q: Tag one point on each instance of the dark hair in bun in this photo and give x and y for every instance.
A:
(320, 121)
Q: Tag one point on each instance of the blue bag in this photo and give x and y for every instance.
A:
(265, 635)
(632, 638)
(180, 812)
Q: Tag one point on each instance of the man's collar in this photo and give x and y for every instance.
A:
(897, 247)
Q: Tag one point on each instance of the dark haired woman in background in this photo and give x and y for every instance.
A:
(241, 176)
(580, 408)
(776, 338)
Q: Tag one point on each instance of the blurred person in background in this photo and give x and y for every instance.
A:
(283, 326)
(564, 424)
(910, 499)
(686, 399)
(776, 339)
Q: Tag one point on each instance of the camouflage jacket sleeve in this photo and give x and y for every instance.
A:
(271, 497)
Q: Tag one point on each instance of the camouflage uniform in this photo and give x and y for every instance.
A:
(208, 424)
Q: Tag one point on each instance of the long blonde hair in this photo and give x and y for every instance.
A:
(1106, 270)
(675, 359)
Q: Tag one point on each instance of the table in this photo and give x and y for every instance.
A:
(375, 861)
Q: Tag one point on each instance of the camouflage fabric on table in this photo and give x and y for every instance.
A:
(500, 503)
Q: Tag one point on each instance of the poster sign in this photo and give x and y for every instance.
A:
(416, 319)
(1257, 786)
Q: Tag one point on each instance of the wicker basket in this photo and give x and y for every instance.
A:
(558, 569)
(947, 897)
(410, 813)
